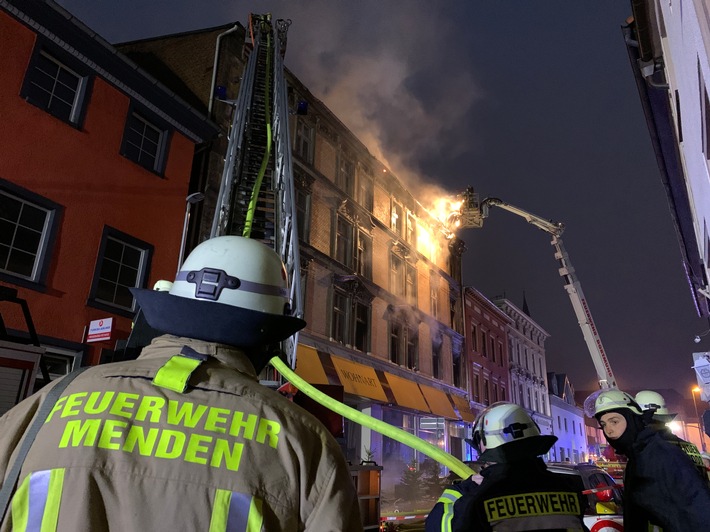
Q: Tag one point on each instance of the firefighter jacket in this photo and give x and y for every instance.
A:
(119, 452)
(688, 448)
(662, 487)
(520, 495)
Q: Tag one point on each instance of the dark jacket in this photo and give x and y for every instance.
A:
(662, 487)
(522, 491)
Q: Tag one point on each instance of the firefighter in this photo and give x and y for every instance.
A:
(661, 484)
(516, 491)
(184, 437)
(656, 415)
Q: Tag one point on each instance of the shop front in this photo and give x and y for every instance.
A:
(410, 402)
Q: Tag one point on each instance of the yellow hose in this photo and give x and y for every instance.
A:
(444, 458)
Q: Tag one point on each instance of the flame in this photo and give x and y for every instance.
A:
(448, 211)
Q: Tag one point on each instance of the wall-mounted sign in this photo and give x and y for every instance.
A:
(100, 330)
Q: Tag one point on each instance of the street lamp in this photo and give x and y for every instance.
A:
(193, 198)
(701, 428)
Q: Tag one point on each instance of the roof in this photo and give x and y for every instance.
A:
(58, 25)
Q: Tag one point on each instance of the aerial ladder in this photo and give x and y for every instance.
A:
(472, 213)
(256, 197)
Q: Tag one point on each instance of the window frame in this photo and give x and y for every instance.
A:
(304, 142)
(350, 320)
(163, 145)
(303, 214)
(65, 61)
(141, 278)
(48, 239)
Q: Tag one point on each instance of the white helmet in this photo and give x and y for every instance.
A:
(230, 290)
(503, 423)
(609, 399)
(652, 401)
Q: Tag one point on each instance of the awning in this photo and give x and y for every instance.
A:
(309, 366)
(359, 379)
(438, 402)
(407, 393)
(464, 408)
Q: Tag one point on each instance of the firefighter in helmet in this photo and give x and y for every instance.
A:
(657, 415)
(661, 485)
(184, 437)
(506, 436)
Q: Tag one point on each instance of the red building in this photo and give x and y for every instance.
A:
(95, 163)
(486, 348)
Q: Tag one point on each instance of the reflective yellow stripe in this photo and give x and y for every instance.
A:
(448, 498)
(54, 497)
(176, 372)
(21, 506)
(255, 520)
(236, 512)
(35, 505)
(220, 511)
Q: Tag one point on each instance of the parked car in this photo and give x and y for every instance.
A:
(605, 496)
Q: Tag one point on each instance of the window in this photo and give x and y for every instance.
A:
(396, 275)
(474, 337)
(565, 424)
(476, 387)
(365, 188)
(57, 83)
(484, 344)
(363, 255)
(395, 335)
(122, 264)
(353, 247)
(145, 140)
(493, 349)
(559, 423)
(412, 340)
(303, 214)
(486, 392)
(346, 175)
(303, 143)
(494, 395)
(434, 295)
(361, 337)
(411, 229)
(410, 288)
(28, 227)
(344, 241)
(437, 342)
(404, 344)
(500, 354)
(457, 365)
(398, 220)
(350, 321)
(339, 320)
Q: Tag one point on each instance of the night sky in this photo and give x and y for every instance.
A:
(531, 102)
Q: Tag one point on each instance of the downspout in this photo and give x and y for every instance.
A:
(214, 67)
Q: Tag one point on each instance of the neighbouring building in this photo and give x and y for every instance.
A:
(486, 330)
(95, 162)
(567, 422)
(668, 44)
(528, 367)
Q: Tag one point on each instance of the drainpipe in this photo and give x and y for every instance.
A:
(214, 67)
